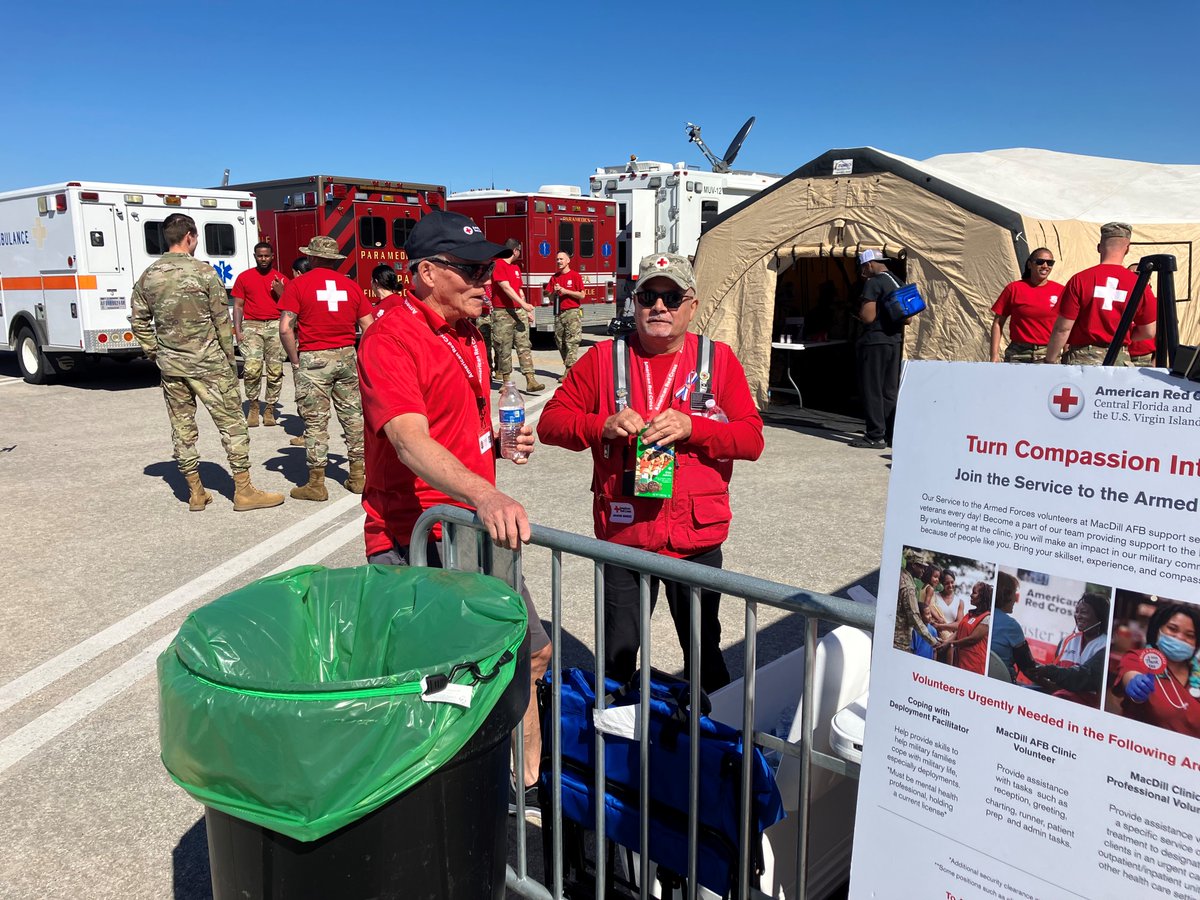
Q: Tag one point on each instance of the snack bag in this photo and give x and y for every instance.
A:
(654, 472)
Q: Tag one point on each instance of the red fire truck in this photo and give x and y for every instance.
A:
(555, 218)
(370, 218)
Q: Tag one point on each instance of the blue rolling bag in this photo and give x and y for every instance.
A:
(721, 752)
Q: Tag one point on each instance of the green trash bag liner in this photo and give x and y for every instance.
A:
(295, 703)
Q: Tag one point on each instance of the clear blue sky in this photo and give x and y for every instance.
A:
(467, 94)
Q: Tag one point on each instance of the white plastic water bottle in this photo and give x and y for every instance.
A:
(714, 412)
(512, 420)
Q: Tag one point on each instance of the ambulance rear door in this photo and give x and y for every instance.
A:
(104, 284)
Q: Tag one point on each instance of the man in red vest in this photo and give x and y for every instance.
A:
(676, 393)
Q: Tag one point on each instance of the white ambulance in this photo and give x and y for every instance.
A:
(71, 252)
(663, 208)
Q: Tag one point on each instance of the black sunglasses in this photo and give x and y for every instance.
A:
(472, 272)
(1044, 262)
(670, 299)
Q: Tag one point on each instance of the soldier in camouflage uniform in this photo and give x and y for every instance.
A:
(511, 320)
(181, 319)
(325, 306)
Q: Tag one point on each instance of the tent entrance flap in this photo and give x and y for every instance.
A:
(836, 251)
(816, 305)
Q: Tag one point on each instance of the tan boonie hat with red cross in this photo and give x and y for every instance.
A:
(322, 247)
(668, 265)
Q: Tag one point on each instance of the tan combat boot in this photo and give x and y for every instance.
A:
(269, 415)
(532, 385)
(252, 415)
(247, 496)
(358, 477)
(198, 497)
(314, 489)
(297, 441)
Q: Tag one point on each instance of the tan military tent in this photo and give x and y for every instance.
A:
(963, 225)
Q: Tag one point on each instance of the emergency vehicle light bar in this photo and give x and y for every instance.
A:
(245, 204)
(133, 198)
(89, 196)
(60, 202)
(173, 200)
(208, 202)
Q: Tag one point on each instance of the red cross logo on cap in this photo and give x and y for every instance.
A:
(467, 229)
(1066, 402)
(662, 262)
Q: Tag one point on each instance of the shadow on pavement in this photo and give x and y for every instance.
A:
(292, 464)
(215, 478)
(101, 375)
(189, 864)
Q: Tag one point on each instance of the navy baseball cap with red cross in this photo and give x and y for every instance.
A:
(450, 234)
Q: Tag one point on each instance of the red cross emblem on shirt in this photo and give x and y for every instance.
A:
(662, 262)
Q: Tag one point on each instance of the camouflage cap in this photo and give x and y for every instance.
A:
(323, 247)
(668, 265)
(1116, 230)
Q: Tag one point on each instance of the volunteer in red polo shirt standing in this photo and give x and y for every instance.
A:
(1093, 302)
(1030, 307)
(670, 399)
(256, 324)
(426, 392)
(566, 288)
(327, 308)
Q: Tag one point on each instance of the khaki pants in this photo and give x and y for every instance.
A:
(218, 391)
(510, 329)
(262, 350)
(325, 378)
(1092, 355)
(568, 330)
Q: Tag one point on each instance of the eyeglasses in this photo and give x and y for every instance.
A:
(472, 272)
(1048, 263)
(670, 299)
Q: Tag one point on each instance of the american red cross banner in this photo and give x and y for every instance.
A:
(1033, 723)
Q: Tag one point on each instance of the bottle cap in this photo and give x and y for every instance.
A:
(710, 403)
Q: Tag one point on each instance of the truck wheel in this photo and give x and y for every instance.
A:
(35, 367)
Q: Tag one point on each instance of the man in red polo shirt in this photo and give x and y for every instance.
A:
(256, 324)
(328, 308)
(512, 317)
(1093, 302)
(566, 288)
(426, 393)
(673, 397)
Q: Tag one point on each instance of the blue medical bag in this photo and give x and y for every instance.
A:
(903, 303)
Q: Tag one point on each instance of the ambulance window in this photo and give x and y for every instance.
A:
(501, 207)
(401, 229)
(708, 212)
(623, 218)
(566, 238)
(372, 232)
(156, 244)
(623, 254)
(219, 239)
(519, 207)
(539, 206)
(587, 240)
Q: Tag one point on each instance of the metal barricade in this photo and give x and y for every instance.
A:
(815, 608)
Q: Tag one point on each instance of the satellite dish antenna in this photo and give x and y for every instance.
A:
(736, 144)
(723, 164)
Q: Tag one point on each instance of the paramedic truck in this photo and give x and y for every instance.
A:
(369, 218)
(71, 252)
(556, 218)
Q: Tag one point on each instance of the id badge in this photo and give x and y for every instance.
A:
(699, 401)
(485, 442)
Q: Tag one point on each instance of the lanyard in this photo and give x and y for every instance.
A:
(653, 404)
(474, 379)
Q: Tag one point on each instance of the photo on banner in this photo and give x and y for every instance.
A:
(954, 601)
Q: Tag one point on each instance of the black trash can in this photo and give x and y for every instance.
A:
(444, 839)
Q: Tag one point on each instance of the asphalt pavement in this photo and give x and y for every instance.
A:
(103, 562)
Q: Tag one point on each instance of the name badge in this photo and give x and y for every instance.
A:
(620, 513)
(485, 442)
